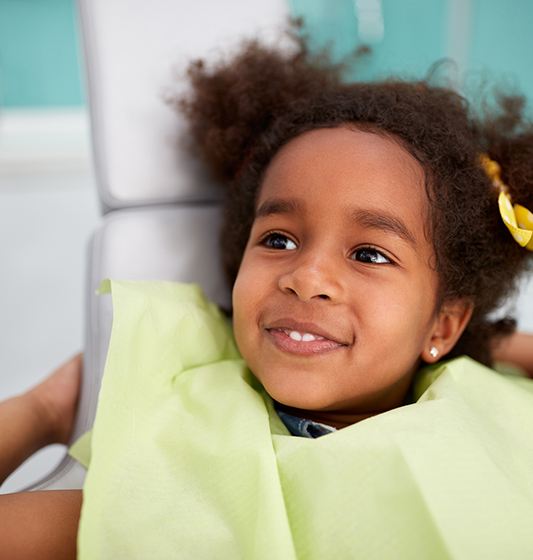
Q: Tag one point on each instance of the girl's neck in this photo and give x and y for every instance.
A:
(336, 419)
(342, 419)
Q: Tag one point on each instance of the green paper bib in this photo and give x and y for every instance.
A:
(189, 459)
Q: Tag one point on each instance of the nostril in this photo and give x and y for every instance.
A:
(323, 296)
(291, 291)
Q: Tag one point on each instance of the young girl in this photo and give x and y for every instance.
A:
(368, 231)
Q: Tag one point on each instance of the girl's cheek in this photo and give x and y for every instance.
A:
(243, 289)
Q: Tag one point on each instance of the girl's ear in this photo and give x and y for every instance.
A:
(449, 324)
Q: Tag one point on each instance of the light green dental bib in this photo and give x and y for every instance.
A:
(189, 459)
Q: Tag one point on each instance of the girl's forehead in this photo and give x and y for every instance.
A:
(346, 151)
(364, 163)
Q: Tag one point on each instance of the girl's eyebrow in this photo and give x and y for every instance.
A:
(371, 219)
(278, 206)
(384, 222)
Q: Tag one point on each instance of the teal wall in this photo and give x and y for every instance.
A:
(39, 46)
(489, 40)
(502, 42)
(414, 34)
(414, 38)
(39, 54)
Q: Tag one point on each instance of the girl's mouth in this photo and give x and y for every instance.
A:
(301, 342)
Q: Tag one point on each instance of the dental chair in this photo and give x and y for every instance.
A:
(160, 208)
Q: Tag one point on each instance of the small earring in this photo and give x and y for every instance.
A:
(433, 352)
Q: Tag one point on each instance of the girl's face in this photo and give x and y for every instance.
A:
(335, 297)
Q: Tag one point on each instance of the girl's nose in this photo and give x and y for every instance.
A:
(312, 278)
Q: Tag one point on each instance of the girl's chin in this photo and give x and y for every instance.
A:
(303, 398)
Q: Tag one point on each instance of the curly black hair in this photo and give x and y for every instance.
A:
(243, 110)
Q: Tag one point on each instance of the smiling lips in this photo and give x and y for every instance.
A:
(302, 338)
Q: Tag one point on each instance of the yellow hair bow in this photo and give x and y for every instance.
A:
(518, 219)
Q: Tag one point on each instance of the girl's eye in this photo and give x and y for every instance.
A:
(370, 255)
(279, 241)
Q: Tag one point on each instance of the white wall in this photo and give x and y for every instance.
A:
(48, 209)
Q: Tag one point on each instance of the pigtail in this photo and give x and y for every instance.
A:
(232, 103)
(505, 135)
(508, 139)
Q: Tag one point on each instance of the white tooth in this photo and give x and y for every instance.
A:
(307, 337)
(295, 335)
